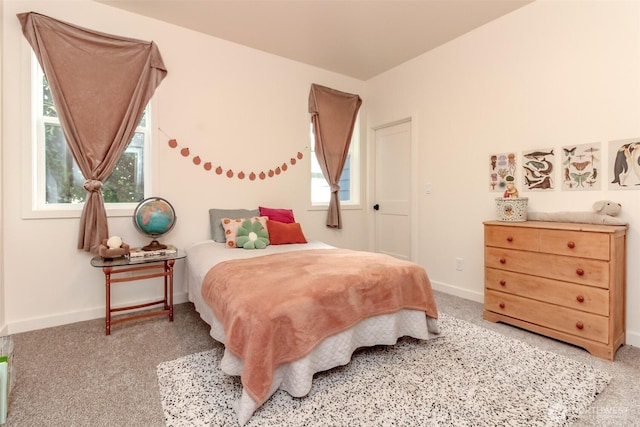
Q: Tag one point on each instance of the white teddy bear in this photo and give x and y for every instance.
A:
(605, 213)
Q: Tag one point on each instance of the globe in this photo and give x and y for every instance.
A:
(154, 217)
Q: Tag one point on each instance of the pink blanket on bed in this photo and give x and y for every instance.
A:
(277, 308)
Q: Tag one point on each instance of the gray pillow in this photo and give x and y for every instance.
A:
(215, 215)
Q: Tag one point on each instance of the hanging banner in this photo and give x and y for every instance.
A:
(229, 173)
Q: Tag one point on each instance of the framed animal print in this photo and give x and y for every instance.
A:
(624, 164)
(581, 167)
(501, 167)
(538, 167)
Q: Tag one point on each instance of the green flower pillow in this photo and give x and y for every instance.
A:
(231, 226)
(252, 235)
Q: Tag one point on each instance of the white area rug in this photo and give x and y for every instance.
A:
(469, 377)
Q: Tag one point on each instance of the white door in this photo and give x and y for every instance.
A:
(392, 194)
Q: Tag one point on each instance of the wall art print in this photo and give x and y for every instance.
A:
(624, 164)
(581, 167)
(501, 166)
(538, 166)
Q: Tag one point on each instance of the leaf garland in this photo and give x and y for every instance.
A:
(208, 166)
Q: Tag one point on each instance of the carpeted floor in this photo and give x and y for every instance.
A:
(74, 375)
(470, 376)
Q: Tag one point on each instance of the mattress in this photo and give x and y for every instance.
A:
(336, 350)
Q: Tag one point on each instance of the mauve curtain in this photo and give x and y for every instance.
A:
(333, 114)
(100, 84)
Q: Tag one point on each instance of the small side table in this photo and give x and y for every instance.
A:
(149, 265)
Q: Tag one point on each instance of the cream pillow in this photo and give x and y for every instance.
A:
(231, 225)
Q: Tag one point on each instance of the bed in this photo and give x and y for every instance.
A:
(268, 359)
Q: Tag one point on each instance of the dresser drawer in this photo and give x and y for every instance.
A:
(578, 323)
(568, 269)
(511, 237)
(578, 297)
(575, 243)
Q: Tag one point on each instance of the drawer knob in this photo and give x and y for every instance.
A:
(509, 239)
(503, 261)
(579, 325)
(580, 298)
(571, 245)
(501, 305)
(580, 272)
(503, 283)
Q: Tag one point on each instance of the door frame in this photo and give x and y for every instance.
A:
(371, 181)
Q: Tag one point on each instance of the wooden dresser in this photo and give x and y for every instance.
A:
(562, 280)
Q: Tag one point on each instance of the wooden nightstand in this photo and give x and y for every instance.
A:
(151, 267)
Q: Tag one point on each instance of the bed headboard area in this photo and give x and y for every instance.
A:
(279, 224)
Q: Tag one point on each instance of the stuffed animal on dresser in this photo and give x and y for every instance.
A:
(604, 212)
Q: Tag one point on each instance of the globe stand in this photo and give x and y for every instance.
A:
(154, 246)
(154, 217)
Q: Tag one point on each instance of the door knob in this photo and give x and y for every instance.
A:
(376, 207)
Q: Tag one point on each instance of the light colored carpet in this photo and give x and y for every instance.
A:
(471, 376)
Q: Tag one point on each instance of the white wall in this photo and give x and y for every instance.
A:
(234, 106)
(551, 74)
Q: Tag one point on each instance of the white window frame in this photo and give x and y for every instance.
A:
(33, 156)
(355, 167)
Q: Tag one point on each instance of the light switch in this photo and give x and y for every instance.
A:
(427, 188)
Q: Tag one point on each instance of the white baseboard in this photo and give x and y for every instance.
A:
(459, 292)
(71, 317)
(632, 338)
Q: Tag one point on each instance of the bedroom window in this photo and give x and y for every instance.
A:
(349, 180)
(56, 181)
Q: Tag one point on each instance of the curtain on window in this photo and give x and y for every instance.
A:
(333, 114)
(101, 85)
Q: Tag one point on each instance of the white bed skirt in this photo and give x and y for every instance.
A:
(295, 377)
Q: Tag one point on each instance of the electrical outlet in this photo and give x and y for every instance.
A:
(459, 264)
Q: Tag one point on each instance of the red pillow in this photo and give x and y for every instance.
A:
(281, 233)
(280, 215)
